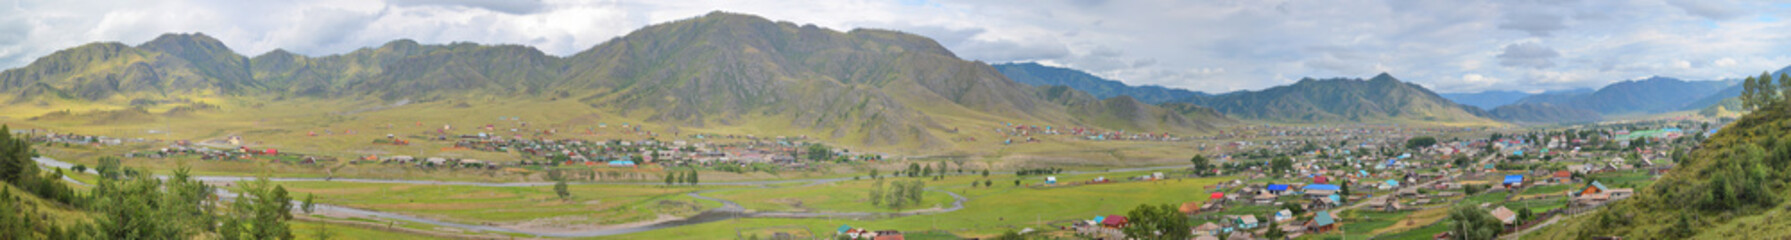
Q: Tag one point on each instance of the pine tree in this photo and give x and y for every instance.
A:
(1749, 90)
(1769, 91)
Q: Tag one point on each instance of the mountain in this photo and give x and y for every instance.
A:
(1041, 75)
(1652, 95)
(1486, 99)
(1379, 99)
(1125, 113)
(1543, 113)
(863, 87)
(168, 65)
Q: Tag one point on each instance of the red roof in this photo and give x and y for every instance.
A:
(1321, 179)
(1563, 174)
(1217, 195)
(1114, 220)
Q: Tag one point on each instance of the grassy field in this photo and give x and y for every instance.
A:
(848, 196)
(990, 210)
(590, 204)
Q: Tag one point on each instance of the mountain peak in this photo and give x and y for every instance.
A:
(1383, 77)
(184, 42)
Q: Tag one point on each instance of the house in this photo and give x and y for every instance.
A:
(1321, 179)
(1594, 187)
(1562, 176)
(1276, 189)
(1264, 198)
(888, 235)
(1246, 221)
(1115, 221)
(1209, 229)
(1514, 180)
(1323, 221)
(1283, 215)
(1504, 215)
(1315, 191)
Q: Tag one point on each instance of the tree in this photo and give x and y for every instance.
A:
(915, 191)
(913, 169)
(817, 152)
(671, 177)
(1010, 234)
(1769, 90)
(985, 172)
(1016, 182)
(691, 177)
(1472, 223)
(988, 183)
(1275, 231)
(877, 193)
(1785, 86)
(927, 171)
(1463, 161)
(1201, 165)
(15, 158)
(1420, 142)
(261, 214)
(1281, 165)
(1524, 214)
(873, 173)
(1156, 222)
(560, 189)
(308, 204)
(1343, 190)
(897, 195)
(1755, 92)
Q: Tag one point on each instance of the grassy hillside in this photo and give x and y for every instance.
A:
(1731, 187)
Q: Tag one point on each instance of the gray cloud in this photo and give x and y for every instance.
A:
(1537, 24)
(1711, 9)
(505, 6)
(1531, 55)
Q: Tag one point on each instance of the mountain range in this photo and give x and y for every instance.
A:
(1651, 95)
(1041, 75)
(1382, 98)
(864, 86)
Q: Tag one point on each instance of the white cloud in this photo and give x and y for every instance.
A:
(1211, 46)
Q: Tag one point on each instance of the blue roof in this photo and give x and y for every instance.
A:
(1323, 218)
(1335, 198)
(1326, 187)
(1395, 183)
(1100, 218)
(844, 228)
(1514, 178)
(1277, 187)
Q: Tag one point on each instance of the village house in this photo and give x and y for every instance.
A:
(1322, 221)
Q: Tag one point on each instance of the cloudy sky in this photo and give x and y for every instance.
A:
(1212, 46)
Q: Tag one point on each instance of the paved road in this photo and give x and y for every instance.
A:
(729, 209)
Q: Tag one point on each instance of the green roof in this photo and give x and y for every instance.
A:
(1323, 218)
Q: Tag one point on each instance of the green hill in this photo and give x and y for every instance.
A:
(1382, 99)
(1733, 186)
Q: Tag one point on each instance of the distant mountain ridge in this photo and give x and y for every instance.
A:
(1040, 75)
(1382, 98)
(1652, 95)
